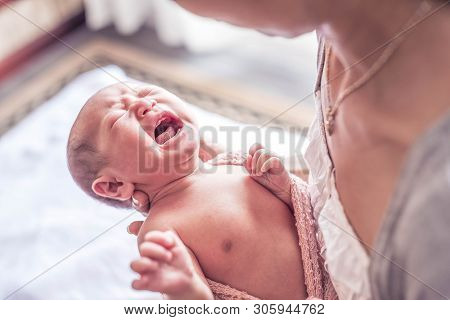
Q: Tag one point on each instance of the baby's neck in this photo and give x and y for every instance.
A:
(175, 186)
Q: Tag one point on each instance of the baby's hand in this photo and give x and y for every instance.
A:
(165, 266)
(268, 170)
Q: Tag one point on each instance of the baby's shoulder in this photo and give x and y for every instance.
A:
(153, 224)
(171, 215)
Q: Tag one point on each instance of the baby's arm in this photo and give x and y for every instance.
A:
(268, 169)
(166, 265)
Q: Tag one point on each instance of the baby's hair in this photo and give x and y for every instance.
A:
(85, 162)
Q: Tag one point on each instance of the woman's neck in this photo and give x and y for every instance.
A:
(364, 26)
(416, 74)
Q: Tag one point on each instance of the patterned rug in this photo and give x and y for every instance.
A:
(225, 98)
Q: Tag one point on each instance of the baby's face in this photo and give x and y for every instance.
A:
(145, 133)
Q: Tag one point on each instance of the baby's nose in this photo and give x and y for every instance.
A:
(141, 107)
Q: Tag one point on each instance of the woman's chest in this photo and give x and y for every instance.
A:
(365, 177)
(365, 163)
(365, 160)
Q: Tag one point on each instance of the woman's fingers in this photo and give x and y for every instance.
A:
(155, 252)
(134, 227)
(141, 201)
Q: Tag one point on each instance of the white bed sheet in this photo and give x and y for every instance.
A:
(44, 216)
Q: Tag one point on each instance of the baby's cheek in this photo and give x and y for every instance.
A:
(148, 161)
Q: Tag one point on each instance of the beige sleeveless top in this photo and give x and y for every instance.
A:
(345, 258)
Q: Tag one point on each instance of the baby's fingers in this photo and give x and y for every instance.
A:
(248, 163)
(273, 164)
(255, 147)
(164, 239)
(143, 283)
(151, 281)
(257, 156)
(264, 157)
(155, 251)
(144, 265)
(176, 239)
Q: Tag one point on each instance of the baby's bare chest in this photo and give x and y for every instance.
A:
(231, 221)
(231, 197)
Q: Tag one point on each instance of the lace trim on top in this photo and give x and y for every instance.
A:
(345, 258)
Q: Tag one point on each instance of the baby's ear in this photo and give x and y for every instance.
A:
(110, 187)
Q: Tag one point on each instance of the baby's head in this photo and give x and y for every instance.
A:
(127, 136)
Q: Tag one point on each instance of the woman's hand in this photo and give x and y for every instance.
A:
(141, 202)
(166, 266)
(268, 170)
(134, 227)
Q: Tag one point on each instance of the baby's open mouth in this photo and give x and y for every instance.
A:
(167, 128)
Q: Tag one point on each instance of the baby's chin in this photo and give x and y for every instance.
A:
(190, 155)
(174, 171)
(183, 159)
(185, 144)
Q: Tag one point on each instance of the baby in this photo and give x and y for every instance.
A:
(213, 232)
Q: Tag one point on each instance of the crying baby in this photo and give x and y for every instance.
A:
(215, 229)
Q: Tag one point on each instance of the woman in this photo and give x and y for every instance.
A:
(379, 154)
